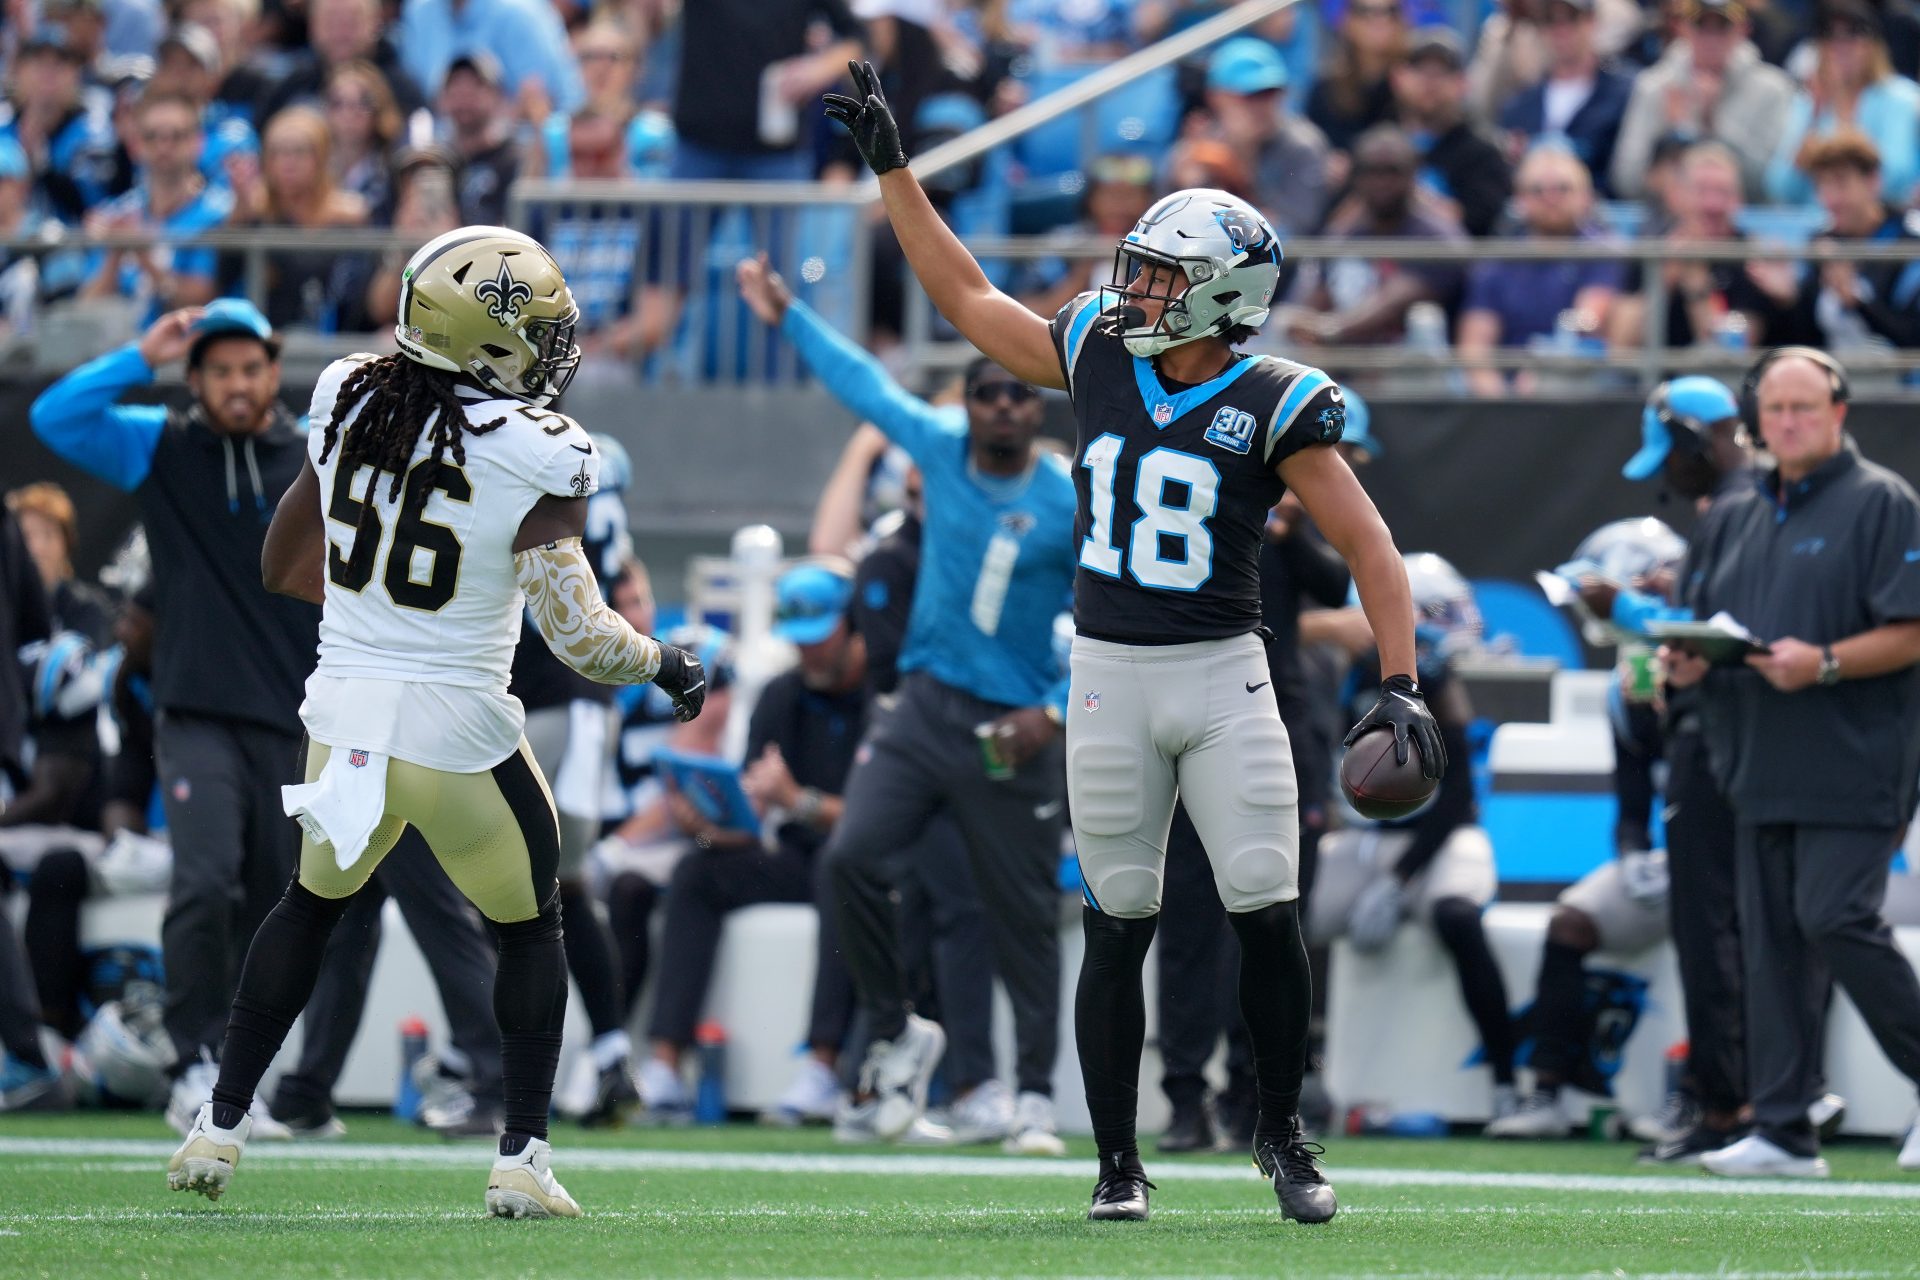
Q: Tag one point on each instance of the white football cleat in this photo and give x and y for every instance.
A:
(984, 1113)
(898, 1073)
(206, 1160)
(1910, 1150)
(813, 1097)
(1539, 1115)
(1755, 1157)
(1034, 1133)
(1826, 1113)
(523, 1186)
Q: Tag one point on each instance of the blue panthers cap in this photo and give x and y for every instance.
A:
(232, 315)
(1358, 431)
(1700, 399)
(1246, 64)
(809, 601)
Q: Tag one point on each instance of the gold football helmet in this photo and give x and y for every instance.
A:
(491, 304)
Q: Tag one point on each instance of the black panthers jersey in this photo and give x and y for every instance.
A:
(1174, 487)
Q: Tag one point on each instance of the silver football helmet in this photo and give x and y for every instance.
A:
(1446, 619)
(1225, 260)
(1631, 551)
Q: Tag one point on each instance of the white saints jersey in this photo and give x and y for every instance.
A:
(422, 611)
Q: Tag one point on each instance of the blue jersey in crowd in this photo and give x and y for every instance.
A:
(997, 555)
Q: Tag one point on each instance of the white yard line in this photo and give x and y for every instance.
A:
(337, 1154)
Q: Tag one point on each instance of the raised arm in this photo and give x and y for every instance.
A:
(1016, 339)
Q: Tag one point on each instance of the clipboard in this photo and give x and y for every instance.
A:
(711, 785)
(1719, 639)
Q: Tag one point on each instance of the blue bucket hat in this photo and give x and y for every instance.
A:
(809, 601)
(1692, 404)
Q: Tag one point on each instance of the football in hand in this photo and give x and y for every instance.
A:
(1376, 785)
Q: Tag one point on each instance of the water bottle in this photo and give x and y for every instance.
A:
(710, 1094)
(1426, 342)
(1730, 331)
(413, 1047)
(1677, 1055)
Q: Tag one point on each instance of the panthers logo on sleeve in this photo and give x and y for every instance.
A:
(1333, 419)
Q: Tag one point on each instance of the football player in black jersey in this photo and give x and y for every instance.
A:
(1183, 445)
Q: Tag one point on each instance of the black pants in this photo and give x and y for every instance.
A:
(1810, 901)
(947, 937)
(707, 886)
(19, 1010)
(922, 758)
(456, 948)
(1704, 916)
(233, 853)
(55, 894)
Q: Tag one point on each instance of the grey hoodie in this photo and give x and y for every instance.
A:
(1749, 118)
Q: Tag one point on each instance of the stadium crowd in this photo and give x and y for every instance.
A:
(1760, 121)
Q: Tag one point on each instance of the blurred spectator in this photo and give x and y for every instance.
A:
(609, 60)
(364, 124)
(24, 618)
(243, 80)
(425, 205)
(189, 65)
(474, 107)
(598, 246)
(48, 523)
(656, 26)
(1351, 94)
(1286, 155)
(1061, 31)
(1361, 300)
(525, 35)
(1461, 165)
(344, 31)
(754, 131)
(171, 198)
(1120, 188)
(28, 279)
(1578, 101)
(1838, 306)
(903, 39)
(800, 746)
(1710, 84)
(69, 141)
(1509, 304)
(83, 23)
(1853, 88)
(1514, 51)
(1207, 162)
(322, 289)
(1704, 299)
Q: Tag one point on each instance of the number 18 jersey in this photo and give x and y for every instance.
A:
(422, 611)
(1174, 484)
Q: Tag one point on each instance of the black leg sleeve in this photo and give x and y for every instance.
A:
(590, 952)
(1559, 1013)
(530, 1002)
(1110, 1025)
(1484, 991)
(275, 985)
(52, 934)
(1276, 1002)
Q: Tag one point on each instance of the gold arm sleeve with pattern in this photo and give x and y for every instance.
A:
(581, 629)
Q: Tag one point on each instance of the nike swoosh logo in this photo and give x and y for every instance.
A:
(1255, 688)
(583, 448)
(1046, 811)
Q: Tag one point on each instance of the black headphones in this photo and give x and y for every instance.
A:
(1749, 389)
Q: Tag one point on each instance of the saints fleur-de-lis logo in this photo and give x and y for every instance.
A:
(504, 296)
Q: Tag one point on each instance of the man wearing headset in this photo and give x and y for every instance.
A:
(1815, 739)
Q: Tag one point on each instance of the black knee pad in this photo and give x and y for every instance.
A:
(1455, 920)
(1114, 940)
(1276, 924)
(61, 876)
(541, 930)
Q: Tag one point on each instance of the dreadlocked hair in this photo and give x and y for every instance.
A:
(396, 398)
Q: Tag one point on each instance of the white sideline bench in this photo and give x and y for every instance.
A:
(1397, 1035)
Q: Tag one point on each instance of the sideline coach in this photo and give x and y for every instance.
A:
(1817, 743)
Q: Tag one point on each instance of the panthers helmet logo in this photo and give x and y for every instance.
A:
(1245, 234)
(504, 296)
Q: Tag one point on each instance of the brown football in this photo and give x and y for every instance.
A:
(1378, 787)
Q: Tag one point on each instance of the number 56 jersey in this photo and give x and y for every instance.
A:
(422, 610)
(1174, 482)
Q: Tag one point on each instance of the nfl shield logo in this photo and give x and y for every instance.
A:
(1162, 414)
(1093, 702)
(357, 758)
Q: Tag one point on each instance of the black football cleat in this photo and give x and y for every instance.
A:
(1304, 1192)
(1121, 1193)
(1688, 1146)
(1190, 1129)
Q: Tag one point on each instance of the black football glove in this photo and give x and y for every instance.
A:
(1402, 709)
(684, 680)
(869, 119)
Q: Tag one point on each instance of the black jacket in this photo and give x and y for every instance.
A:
(1469, 168)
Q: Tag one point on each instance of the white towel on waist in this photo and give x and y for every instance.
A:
(344, 804)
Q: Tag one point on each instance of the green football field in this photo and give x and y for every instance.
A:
(86, 1197)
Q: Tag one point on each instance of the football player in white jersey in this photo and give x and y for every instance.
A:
(440, 493)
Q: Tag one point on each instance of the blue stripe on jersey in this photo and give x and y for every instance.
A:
(1078, 328)
(1308, 384)
(1153, 394)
